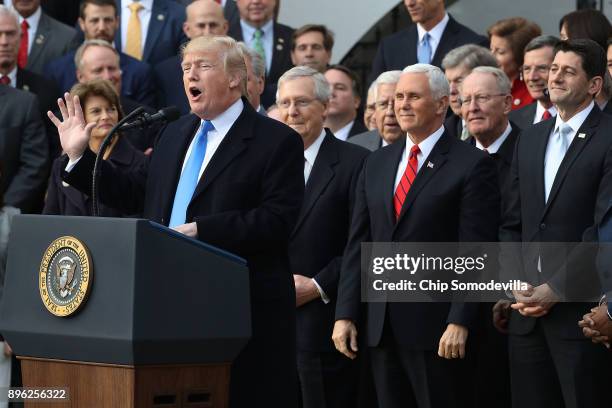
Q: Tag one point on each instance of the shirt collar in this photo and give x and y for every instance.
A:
(224, 121)
(427, 145)
(310, 154)
(575, 121)
(13, 77)
(494, 147)
(436, 31)
(146, 4)
(343, 133)
(540, 110)
(248, 31)
(33, 20)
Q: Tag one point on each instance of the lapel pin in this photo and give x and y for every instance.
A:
(279, 47)
(581, 135)
(25, 88)
(430, 165)
(517, 102)
(160, 17)
(40, 39)
(65, 184)
(281, 40)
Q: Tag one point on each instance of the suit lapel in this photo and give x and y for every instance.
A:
(430, 166)
(3, 91)
(388, 173)
(537, 162)
(321, 175)
(232, 145)
(447, 41)
(278, 49)
(411, 51)
(40, 39)
(583, 135)
(159, 15)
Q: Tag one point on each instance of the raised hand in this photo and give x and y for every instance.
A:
(74, 133)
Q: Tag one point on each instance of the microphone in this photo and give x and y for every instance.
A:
(165, 115)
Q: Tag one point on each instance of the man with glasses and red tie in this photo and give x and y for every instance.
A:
(428, 187)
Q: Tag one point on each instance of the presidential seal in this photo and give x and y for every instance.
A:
(65, 276)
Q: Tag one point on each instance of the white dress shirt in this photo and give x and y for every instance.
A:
(222, 124)
(310, 155)
(435, 34)
(343, 133)
(267, 38)
(426, 146)
(494, 147)
(574, 123)
(540, 111)
(145, 18)
(33, 21)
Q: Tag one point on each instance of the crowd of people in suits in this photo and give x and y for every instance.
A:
(459, 138)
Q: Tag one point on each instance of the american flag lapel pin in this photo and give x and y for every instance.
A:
(430, 165)
(581, 135)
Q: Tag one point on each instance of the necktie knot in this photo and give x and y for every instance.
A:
(564, 131)
(4, 80)
(135, 7)
(546, 115)
(206, 127)
(424, 50)
(24, 25)
(414, 151)
(258, 34)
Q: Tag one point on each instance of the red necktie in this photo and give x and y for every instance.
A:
(22, 57)
(546, 115)
(4, 80)
(406, 181)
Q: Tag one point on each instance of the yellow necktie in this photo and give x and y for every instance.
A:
(133, 44)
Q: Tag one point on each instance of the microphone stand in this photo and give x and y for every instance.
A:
(95, 210)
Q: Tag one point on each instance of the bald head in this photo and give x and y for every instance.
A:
(204, 17)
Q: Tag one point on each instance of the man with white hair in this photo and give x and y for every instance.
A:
(429, 188)
(256, 77)
(387, 129)
(229, 177)
(331, 169)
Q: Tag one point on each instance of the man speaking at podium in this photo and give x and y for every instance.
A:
(226, 176)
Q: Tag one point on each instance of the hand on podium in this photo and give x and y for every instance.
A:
(190, 230)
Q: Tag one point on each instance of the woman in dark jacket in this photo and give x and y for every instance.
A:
(100, 105)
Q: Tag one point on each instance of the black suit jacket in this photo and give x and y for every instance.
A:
(455, 199)
(281, 57)
(524, 117)
(47, 92)
(169, 84)
(454, 125)
(246, 202)
(400, 49)
(24, 150)
(318, 240)
(579, 197)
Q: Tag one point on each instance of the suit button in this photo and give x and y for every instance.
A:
(542, 226)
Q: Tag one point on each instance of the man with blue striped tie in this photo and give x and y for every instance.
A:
(231, 178)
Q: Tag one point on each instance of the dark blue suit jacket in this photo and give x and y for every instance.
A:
(165, 35)
(169, 84)
(136, 76)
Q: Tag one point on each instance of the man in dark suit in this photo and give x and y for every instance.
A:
(331, 169)
(486, 100)
(258, 29)
(342, 117)
(556, 161)
(536, 65)
(457, 65)
(24, 151)
(429, 188)
(240, 188)
(99, 19)
(204, 17)
(312, 45)
(230, 11)
(161, 36)
(256, 77)
(11, 74)
(433, 34)
(43, 38)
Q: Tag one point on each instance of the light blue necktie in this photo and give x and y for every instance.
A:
(190, 175)
(424, 50)
(557, 147)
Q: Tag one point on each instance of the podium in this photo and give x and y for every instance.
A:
(161, 321)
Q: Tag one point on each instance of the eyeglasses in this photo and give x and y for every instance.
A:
(384, 105)
(298, 103)
(540, 69)
(480, 99)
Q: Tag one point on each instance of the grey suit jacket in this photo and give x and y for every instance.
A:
(24, 150)
(52, 40)
(371, 140)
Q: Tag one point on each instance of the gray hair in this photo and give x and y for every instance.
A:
(78, 57)
(322, 89)
(388, 77)
(503, 83)
(437, 81)
(10, 12)
(259, 65)
(469, 56)
(541, 41)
